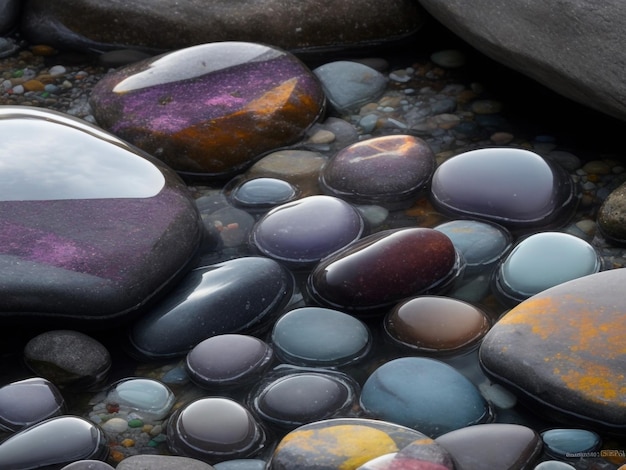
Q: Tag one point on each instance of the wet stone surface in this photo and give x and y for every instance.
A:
(513, 187)
(391, 171)
(432, 324)
(301, 233)
(383, 268)
(567, 375)
(398, 392)
(70, 186)
(231, 103)
(228, 361)
(242, 315)
(340, 443)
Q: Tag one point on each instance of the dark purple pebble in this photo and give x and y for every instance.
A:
(384, 268)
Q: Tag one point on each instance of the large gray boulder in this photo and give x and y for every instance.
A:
(9, 12)
(575, 47)
(161, 25)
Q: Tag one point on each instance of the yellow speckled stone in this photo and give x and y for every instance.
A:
(341, 444)
(566, 348)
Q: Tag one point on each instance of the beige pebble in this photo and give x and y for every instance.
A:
(445, 121)
(322, 136)
(597, 167)
(368, 108)
(587, 226)
(391, 101)
(501, 138)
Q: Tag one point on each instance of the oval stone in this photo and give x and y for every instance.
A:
(424, 394)
(482, 244)
(422, 454)
(242, 295)
(435, 324)
(228, 360)
(68, 358)
(262, 193)
(391, 171)
(27, 402)
(320, 337)
(564, 443)
(214, 429)
(302, 232)
(512, 187)
(40, 445)
(293, 397)
(340, 444)
(541, 261)
(211, 109)
(494, 445)
(563, 351)
(159, 462)
(147, 399)
(85, 219)
(384, 268)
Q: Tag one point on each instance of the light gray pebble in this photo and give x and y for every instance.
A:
(162, 462)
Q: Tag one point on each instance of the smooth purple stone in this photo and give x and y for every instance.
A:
(228, 360)
(384, 268)
(242, 295)
(513, 187)
(302, 232)
(29, 401)
(391, 171)
(211, 109)
(90, 228)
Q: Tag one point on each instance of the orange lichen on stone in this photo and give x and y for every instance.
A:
(597, 383)
(355, 445)
(274, 99)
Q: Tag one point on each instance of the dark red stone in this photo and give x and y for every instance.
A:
(384, 268)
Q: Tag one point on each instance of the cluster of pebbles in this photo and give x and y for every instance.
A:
(431, 98)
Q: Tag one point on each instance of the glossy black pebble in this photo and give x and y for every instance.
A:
(242, 295)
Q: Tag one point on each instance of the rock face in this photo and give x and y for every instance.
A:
(212, 109)
(574, 48)
(90, 228)
(563, 349)
(161, 25)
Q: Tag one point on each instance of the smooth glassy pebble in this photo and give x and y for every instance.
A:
(436, 324)
(230, 360)
(422, 454)
(241, 464)
(41, 445)
(320, 337)
(512, 187)
(211, 109)
(391, 171)
(82, 249)
(161, 462)
(340, 443)
(290, 397)
(563, 443)
(240, 296)
(541, 261)
(490, 446)
(262, 193)
(29, 401)
(147, 399)
(88, 465)
(302, 232)
(213, 430)
(482, 244)
(554, 465)
(398, 391)
(68, 358)
(384, 268)
(348, 85)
